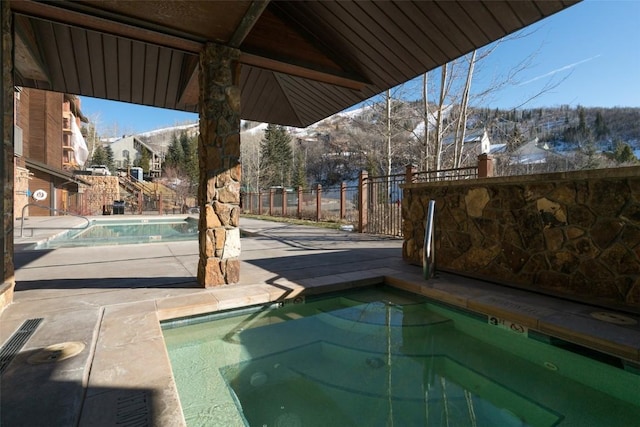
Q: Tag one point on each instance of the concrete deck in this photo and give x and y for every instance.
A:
(111, 299)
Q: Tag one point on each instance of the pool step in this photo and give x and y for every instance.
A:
(376, 317)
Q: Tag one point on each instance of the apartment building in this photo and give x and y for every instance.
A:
(128, 151)
(48, 147)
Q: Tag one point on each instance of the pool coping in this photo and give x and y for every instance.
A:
(567, 321)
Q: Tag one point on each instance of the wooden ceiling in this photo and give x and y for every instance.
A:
(301, 61)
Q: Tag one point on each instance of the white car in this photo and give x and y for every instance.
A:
(98, 170)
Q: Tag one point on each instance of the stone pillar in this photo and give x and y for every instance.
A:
(485, 166)
(6, 162)
(220, 171)
(410, 173)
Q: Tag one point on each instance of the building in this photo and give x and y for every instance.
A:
(476, 142)
(128, 151)
(48, 147)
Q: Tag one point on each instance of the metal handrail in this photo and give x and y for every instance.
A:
(52, 210)
(428, 255)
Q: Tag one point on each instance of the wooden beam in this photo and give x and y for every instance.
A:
(28, 61)
(190, 90)
(248, 21)
(51, 12)
(323, 76)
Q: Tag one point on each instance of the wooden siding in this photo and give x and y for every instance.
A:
(303, 61)
(53, 141)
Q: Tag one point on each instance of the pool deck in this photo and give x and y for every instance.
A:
(111, 299)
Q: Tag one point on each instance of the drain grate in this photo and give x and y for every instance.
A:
(12, 347)
(133, 410)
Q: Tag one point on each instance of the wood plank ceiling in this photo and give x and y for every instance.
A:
(301, 61)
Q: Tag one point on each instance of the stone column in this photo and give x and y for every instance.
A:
(219, 154)
(6, 161)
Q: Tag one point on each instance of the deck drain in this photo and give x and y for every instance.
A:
(614, 318)
(133, 410)
(56, 352)
(12, 347)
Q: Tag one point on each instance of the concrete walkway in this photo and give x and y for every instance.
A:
(108, 300)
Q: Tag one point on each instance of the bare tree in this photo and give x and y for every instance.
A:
(450, 115)
(250, 157)
(461, 127)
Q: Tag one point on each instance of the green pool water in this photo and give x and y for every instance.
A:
(382, 357)
(126, 232)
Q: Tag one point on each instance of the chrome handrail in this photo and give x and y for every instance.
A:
(52, 210)
(428, 255)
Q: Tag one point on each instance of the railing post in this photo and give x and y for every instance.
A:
(140, 202)
(259, 202)
(343, 200)
(485, 165)
(284, 202)
(160, 203)
(299, 202)
(271, 191)
(318, 202)
(362, 201)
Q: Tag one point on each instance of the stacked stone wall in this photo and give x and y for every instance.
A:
(571, 234)
(103, 191)
(20, 191)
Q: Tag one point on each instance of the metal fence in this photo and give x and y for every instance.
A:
(336, 204)
(373, 205)
(384, 199)
(470, 172)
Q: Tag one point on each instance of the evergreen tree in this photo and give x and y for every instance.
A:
(583, 131)
(600, 128)
(99, 156)
(189, 164)
(300, 170)
(144, 160)
(516, 139)
(111, 164)
(275, 157)
(624, 154)
(175, 153)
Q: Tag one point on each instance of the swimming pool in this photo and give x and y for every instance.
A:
(126, 232)
(380, 357)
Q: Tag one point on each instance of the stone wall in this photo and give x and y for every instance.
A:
(574, 234)
(6, 160)
(20, 189)
(103, 191)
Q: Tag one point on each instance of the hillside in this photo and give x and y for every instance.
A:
(523, 141)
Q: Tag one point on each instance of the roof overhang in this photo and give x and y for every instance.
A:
(302, 61)
(56, 173)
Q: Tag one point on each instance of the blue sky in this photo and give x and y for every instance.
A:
(591, 49)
